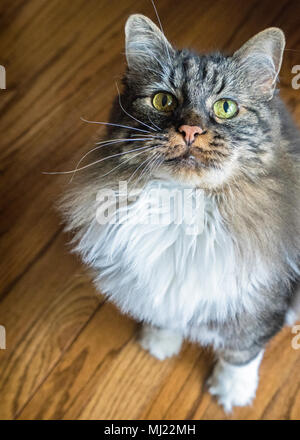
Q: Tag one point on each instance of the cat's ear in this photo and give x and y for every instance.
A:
(260, 59)
(145, 42)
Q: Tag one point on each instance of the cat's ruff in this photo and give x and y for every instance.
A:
(162, 273)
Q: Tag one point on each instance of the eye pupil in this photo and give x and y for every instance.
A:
(164, 100)
(225, 108)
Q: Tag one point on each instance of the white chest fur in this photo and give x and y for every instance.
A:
(162, 273)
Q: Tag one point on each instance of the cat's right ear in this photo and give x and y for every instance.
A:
(145, 43)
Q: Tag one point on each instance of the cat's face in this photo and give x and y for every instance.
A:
(212, 117)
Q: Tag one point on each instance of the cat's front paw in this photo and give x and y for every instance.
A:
(234, 385)
(160, 343)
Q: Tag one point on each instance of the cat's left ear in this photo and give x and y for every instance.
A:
(259, 61)
(145, 43)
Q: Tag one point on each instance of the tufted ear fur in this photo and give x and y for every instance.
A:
(145, 42)
(259, 60)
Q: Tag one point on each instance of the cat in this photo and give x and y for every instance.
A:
(211, 126)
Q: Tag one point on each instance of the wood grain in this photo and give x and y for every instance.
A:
(69, 354)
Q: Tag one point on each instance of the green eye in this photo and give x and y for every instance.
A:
(225, 108)
(164, 102)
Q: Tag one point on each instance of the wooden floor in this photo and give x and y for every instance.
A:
(71, 355)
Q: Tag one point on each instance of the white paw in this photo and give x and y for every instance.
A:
(234, 385)
(159, 342)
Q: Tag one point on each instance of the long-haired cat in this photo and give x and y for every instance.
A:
(189, 124)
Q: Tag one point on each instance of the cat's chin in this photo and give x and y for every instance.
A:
(189, 162)
(190, 174)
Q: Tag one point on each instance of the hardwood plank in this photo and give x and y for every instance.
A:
(93, 358)
(124, 382)
(43, 314)
(26, 153)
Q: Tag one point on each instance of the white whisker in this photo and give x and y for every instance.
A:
(100, 160)
(161, 28)
(155, 159)
(125, 140)
(149, 136)
(122, 163)
(101, 145)
(135, 171)
(128, 114)
(158, 128)
(115, 125)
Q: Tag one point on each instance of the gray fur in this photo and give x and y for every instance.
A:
(254, 156)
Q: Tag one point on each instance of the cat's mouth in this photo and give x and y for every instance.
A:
(186, 159)
(204, 153)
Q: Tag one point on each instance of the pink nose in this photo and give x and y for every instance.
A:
(189, 132)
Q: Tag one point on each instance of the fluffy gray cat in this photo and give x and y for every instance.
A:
(188, 124)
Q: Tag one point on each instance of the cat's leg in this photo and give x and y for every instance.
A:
(235, 378)
(161, 343)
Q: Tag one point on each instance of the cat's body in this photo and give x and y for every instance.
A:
(232, 284)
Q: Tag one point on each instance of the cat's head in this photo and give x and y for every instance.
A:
(213, 116)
